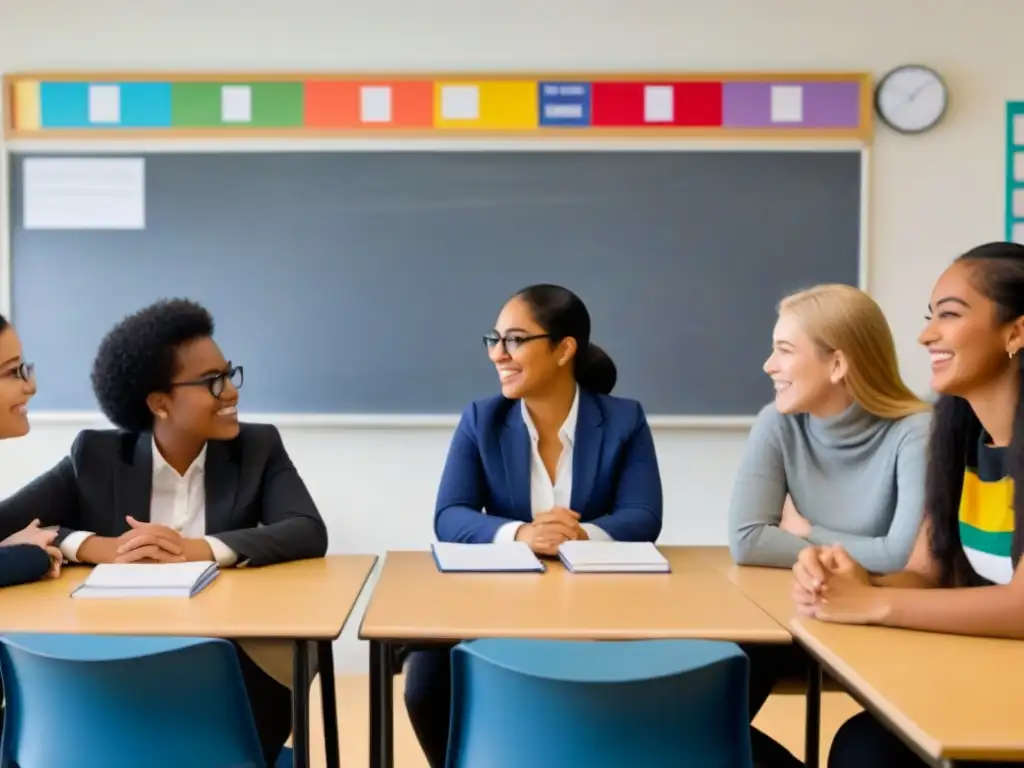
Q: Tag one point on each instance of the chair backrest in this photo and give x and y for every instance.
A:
(600, 704)
(119, 702)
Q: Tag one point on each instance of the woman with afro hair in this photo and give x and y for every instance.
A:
(181, 479)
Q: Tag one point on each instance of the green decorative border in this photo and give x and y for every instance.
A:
(1014, 110)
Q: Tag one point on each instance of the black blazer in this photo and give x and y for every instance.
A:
(256, 503)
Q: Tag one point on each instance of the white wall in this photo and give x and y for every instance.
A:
(931, 196)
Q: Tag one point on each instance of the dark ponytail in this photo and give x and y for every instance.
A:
(997, 270)
(562, 314)
(595, 370)
(3, 323)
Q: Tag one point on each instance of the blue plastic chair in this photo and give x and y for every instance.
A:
(552, 704)
(124, 702)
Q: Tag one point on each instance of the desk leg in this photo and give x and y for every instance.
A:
(382, 686)
(300, 704)
(329, 700)
(812, 737)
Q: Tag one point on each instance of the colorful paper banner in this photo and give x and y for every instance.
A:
(181, 106)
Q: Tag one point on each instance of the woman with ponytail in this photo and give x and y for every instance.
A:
(973, 530)
(553, 458)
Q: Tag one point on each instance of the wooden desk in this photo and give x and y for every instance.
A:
(954, 700)
(768, 588)
(306, 602)
(715, 557)
(309, 599)
(413, 601)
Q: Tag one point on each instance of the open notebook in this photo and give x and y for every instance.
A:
(478, 558)
(612, 557)
(147, 580)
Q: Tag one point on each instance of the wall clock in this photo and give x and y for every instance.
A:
(911, 98)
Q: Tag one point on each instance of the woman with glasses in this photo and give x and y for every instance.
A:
(553, 458)
(181, 479)
(28, 554)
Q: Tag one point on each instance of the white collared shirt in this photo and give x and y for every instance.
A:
(178, 502)
(543, 493)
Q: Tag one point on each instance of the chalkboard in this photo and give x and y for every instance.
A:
(358, 282)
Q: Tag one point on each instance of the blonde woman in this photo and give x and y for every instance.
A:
(838, 458)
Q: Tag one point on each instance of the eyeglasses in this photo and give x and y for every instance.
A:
(26, 372)
(216, 382)
(511, 343)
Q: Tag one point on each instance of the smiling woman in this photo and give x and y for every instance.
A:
(19, 384)
(553, 458)
(842, 418)
(181, 479)
(28, 554)
(971, 537)
(838, 457)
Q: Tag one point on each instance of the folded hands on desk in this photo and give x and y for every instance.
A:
(144, 543)
(829, 585)
(550, 529)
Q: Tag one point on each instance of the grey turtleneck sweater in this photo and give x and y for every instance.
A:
(857, 478)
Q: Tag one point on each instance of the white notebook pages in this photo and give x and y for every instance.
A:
(147, 580)
(480, 558)
(612, 557)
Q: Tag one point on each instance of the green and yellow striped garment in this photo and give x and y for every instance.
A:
(986, 513)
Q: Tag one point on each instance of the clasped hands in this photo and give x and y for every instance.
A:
(549, 529)
(829, 585)
(144, 543)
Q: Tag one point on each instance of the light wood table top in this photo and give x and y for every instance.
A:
(412, 600)
(768, 588)
(716, 558)
(958, 698)
(307, 600)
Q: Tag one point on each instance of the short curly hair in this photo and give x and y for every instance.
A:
(137, 358)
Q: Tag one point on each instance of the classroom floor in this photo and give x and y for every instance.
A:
(782, 717)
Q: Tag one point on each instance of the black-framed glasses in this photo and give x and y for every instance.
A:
(26, 372)
(216, 382)
(511, 343)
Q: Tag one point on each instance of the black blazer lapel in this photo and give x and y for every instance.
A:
(515, 453)
(221, 483)
(586, 455)
(134, 487)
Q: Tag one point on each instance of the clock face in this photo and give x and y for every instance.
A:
(911, 99)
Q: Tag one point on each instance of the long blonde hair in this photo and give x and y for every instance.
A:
(843, 318)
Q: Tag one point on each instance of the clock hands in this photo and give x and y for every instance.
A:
(917, 91)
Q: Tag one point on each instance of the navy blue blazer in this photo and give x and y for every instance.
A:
(486, 481)
(22, 563)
